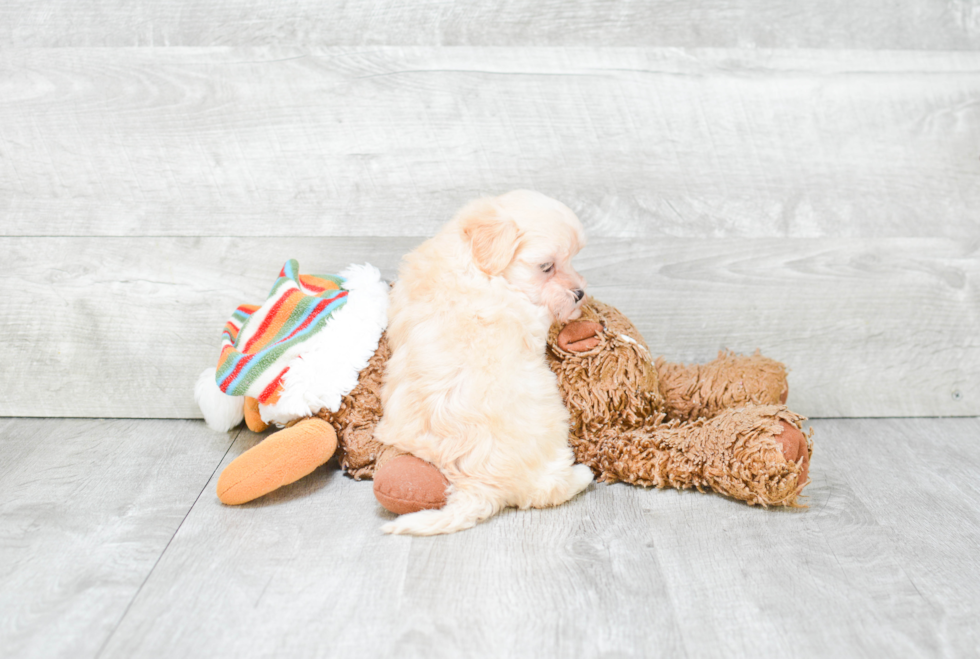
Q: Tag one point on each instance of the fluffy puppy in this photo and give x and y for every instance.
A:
(467, 386)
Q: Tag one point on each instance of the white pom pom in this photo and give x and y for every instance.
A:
(221, 411)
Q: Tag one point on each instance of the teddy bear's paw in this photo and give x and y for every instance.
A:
(795, 448)
(580, 336)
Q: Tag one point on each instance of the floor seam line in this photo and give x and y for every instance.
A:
(125, 612)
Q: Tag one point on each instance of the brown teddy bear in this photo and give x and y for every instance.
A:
(720, 426)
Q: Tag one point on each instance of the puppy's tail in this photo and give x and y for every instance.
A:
(463, 510)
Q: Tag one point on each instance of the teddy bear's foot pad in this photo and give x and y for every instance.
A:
(794, 445)
(408, 484)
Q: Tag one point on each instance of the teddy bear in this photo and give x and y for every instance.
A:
(311, 360)
(721, 426)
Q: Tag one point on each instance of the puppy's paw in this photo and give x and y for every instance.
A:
(463, 510)
(417, 523)
(581, 478)
(560, 487)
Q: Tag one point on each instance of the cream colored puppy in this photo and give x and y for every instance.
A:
(467, 386)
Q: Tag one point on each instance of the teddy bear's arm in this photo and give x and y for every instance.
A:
(704, 390)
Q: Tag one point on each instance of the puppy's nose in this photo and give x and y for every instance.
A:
(579, 294)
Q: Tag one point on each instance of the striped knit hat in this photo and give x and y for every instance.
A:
(301, 350)
(259, 342)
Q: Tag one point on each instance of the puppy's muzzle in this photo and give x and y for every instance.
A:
(578, 294)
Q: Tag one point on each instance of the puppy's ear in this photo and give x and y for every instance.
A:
(492, 238)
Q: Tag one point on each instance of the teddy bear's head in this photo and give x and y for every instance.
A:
(605, 371)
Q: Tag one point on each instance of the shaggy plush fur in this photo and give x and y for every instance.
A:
(631, 416)
(357, 417)
(705, 390)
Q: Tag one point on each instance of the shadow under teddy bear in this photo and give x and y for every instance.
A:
(721, 426)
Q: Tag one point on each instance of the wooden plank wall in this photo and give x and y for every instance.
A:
(837, 24)
(795, 177)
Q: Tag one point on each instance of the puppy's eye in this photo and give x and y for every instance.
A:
(547, 267)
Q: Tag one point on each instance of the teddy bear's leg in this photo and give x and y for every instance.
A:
(704, 390)
(406, 484)
(757, 454)
(252, 417)
(280, 459)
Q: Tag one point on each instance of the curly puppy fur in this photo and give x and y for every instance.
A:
(468, 387)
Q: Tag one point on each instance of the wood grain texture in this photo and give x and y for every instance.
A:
(843, 578)
(310, 558)
(866, 327)
(130, 323)
(87, 507)
(619, 571)
(913, 24)
(924, 491)
(391, 141)
(122, 326)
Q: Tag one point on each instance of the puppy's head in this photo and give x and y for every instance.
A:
(529, 239)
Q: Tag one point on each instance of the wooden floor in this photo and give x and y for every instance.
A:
(113, 544)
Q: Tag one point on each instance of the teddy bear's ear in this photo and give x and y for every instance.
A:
(493, 238)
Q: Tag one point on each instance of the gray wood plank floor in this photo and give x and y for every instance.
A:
(110, 548)
(87, 507)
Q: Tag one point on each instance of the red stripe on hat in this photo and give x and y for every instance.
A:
(234, 374)
(271, 388)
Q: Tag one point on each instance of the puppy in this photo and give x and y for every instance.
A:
(467, 386)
